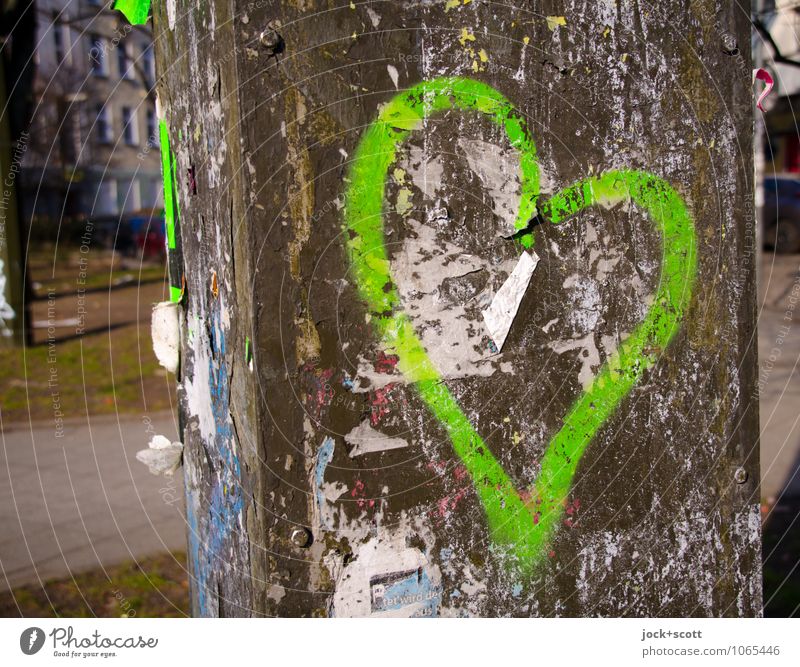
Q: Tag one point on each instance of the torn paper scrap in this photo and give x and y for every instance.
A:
(761, 74)
(165, 330)
(366, 440)
(503, 309)
(162, 457)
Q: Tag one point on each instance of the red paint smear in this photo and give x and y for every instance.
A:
(439, 467)
(572, 507)
(447, 504)
(385, 363)
(359, 492)
(319, 391)
(379, 401)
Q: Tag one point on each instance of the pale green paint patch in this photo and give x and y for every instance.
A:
(522, 529)
(403, 204)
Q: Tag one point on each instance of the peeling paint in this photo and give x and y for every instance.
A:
(386, 578)
(366, 440)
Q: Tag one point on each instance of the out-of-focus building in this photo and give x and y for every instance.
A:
(93, 147)
(782, 147)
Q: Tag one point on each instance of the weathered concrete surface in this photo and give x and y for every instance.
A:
(82, 501)
(268, 102)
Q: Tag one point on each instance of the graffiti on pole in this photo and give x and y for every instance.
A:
(522, 523)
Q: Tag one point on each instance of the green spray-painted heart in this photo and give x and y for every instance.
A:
(521, 528)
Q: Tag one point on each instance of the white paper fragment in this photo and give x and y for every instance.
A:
(393, 74)
(171, 12)
(162, 457)
(159, 442)
(165, 329)
(503, 309)
(366, 440)
(374, 17)
(387, 578)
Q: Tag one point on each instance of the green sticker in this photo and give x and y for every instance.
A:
(171, 214)
(136, 11)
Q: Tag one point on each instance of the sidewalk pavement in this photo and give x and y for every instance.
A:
(81, 501)
(779, 375)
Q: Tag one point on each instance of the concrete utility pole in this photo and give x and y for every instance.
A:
(468, 325)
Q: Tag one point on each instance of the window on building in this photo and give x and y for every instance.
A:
(791, 159)
(103, 124)
(70, 135)
(58, 37)
(158, 189)
(124, 63)
(129, 131)
(105, 202)
(129, 196)
(148, 66)
(98, 62)
(152, 130)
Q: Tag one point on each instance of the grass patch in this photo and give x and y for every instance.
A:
(155, 587)
(101, 373)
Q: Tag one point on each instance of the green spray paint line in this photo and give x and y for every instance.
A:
(638, 352)
(521, 527)
(377, 150)
(171, 214)
(136, 11)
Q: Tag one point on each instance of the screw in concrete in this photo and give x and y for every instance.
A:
(271, 40)
(301, 537)
(740, 476)
(729, 44)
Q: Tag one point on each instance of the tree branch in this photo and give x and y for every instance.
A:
(777, 56)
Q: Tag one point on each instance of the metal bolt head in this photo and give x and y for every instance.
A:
(729, 44)
(740, 476)
(271, 40)
(301, 537)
